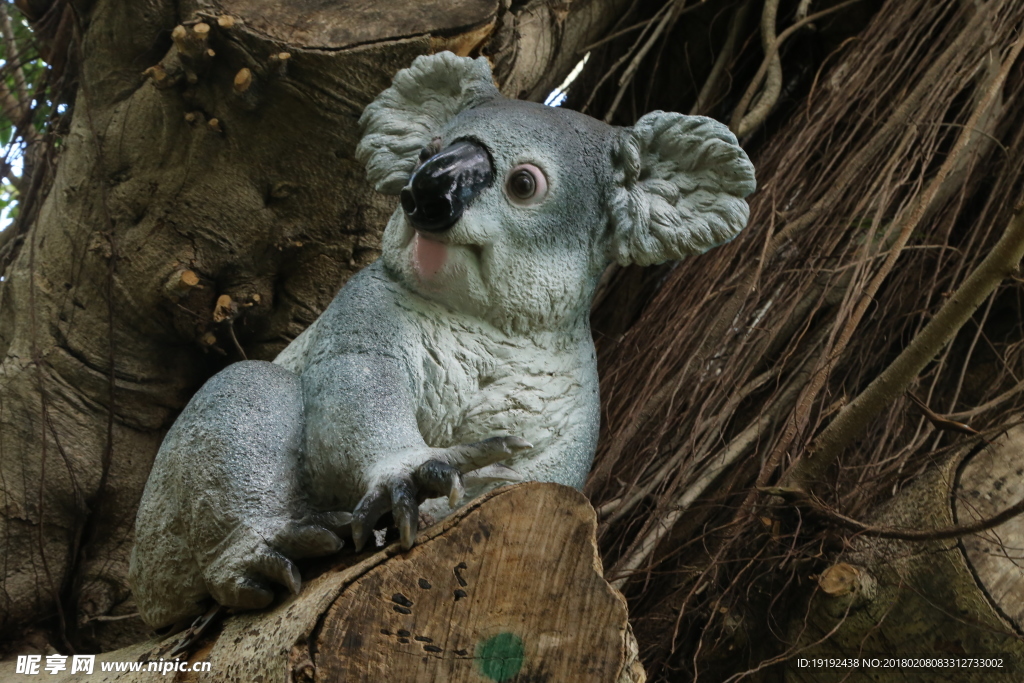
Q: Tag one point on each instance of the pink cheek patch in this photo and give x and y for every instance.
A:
(428, 256)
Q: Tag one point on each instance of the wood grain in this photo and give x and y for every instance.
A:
(990, 482)
(512, 593)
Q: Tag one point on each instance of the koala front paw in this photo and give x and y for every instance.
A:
(439, 476)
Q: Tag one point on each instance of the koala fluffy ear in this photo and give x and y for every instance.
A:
(680, 184)
(409, 114)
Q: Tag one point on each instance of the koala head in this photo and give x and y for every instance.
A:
(511, 210)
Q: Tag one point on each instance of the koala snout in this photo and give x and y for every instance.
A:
(441, 189)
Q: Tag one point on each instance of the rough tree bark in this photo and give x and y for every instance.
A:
(935, 598)
(209, 207)
(494, 593)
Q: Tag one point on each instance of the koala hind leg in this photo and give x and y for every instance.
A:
(232, 476)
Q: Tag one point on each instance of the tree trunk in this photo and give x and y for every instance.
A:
(936, 599)
(207, 208)
(509, 588)
(987, 483)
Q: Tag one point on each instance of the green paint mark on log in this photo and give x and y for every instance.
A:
(501, 657)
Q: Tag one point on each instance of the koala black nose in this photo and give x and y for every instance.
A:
(441, 189)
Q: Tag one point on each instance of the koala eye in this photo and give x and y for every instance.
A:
(526, 184)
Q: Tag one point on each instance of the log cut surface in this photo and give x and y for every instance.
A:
(509, 588)
(514, 592)
(990, 482)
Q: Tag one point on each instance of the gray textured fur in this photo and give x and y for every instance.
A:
(407, 381)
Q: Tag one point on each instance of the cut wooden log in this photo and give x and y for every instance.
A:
(510, 588)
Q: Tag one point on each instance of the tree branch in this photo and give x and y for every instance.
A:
(743, 123)
(773, 79)
(13, 56)
(858, 414)
(802, 499)
(11, 106)
(893, 381)
(714, 79)
(711, 470)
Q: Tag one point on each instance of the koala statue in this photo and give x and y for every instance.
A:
(461, 359)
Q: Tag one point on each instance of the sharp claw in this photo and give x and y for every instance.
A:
(303, 539)
(280, 569)
(457, 492)
(332, 520)
(367, 512)
(342, 518)
(499, 470)
(359, 535)
(405, 511)
(494, 473)
(292, 579)
(242, 592)
(514, 443)
(407, 529)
